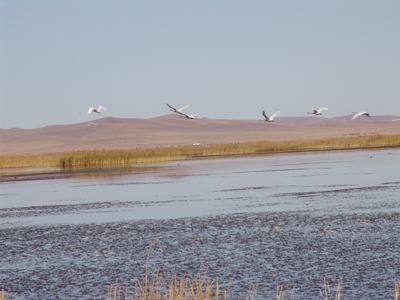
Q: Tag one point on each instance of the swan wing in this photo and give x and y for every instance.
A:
(265, 115)
(171, 107)
(274, 115)
(91, 109)
(101, 107)
(321, 109)
(190, 116)
(357, 115)
(182, 108)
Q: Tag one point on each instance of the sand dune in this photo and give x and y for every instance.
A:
(172, 130)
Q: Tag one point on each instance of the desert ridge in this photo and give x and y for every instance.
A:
(173, 130)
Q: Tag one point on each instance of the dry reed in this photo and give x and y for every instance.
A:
(158, 288)
(200, 288)
(327, 292)
(97, 158)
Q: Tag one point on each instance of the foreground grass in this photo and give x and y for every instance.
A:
(199, 288)
(94, 158)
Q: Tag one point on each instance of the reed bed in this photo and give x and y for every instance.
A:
(30, 161)
(98, 158)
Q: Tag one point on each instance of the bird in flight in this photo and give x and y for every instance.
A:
(317, 111)
(190, 116)
(96, 110)
(361, 113)
(271, 119)
(178, 111)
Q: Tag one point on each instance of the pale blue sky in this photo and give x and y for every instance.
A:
(227, 59)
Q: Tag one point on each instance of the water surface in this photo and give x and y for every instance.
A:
(286, 219)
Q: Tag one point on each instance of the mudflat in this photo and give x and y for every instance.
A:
(173, 130)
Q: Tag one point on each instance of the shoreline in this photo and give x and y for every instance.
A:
(17, 174)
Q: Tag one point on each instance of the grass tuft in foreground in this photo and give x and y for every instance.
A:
(199, 288)
(100, 158)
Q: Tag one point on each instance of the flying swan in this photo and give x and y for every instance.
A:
(96, 110)
(190, 116)
(271, 119)
(361, 113)
(178, 111)
(317, 112)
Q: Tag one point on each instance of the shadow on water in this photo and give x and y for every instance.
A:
(78, 173)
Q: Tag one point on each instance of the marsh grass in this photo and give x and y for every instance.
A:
(158, 288)
(100, 158)
(30, 161)
(326, 295)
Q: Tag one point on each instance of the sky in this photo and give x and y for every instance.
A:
(227, 59)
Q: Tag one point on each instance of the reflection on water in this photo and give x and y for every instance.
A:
(322, 183)
(20, 174)
(269, 220)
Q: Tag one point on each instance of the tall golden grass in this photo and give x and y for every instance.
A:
(95, 158)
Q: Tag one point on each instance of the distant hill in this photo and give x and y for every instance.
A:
(173, 130)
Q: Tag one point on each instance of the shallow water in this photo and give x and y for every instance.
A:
(269, 220)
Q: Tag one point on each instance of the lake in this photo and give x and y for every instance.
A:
(291, 219)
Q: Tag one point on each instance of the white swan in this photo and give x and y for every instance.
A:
(271, 119)
(178, 111)
(96, 110)
(190, 116)
(317, 111)
(357, 114)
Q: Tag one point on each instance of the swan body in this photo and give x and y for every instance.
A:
(178, 111)
(96, 110)
(317, 112)
(270, 119)
(361, 113)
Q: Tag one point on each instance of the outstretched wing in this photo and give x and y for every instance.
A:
(182, 108)
(191, 116)
(171, 107)
(91, 109)
(274, 115)
(321, 109)
(357, 115)
(265, 115)
(101, 107)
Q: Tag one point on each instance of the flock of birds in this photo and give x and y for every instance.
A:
(317, 112)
